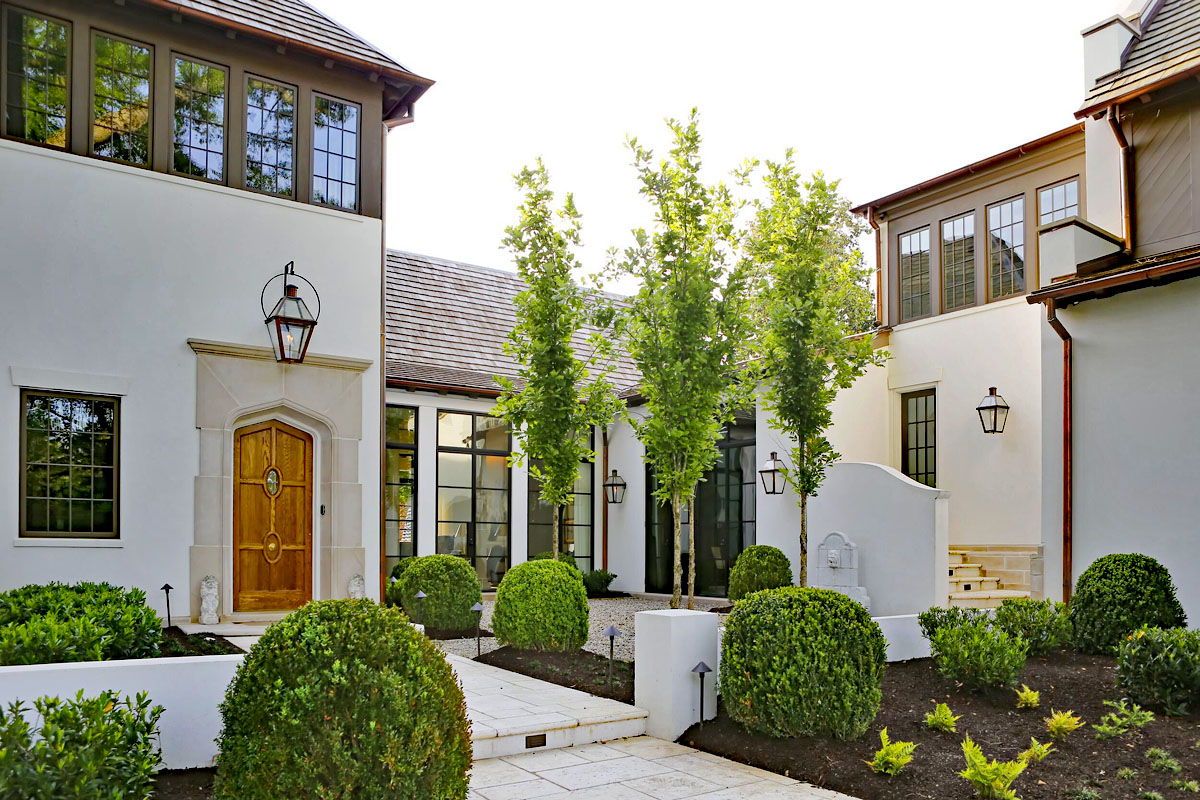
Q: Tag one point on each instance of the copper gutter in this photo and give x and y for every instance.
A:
(1067, 481)
(1114, 283)
(1137, 92)
(443, 388)
(878, 266)
(1114, 122)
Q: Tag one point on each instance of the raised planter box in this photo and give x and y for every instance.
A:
(189, 689)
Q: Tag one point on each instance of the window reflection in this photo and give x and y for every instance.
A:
(270, 136)
(335, 153)
(575, 523)
(35, 98)
(474, 484)
(1058, 202)
(121, 100)
(199, 120)
(400, 485)
(1006, 247)
(958, 262)
(916, 299)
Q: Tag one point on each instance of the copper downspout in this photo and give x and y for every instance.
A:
(878, 267)
(1114, 122)
(1068, 376)
(383, 576)
(604, 528)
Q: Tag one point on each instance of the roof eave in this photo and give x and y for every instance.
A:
(1091, 107)
(1092, 288)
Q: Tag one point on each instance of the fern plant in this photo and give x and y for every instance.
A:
(942, 719)
(1061, 724)
(1027, 698)
(892, 757)
(1036, 752)
(991, 779)
(1122, 719)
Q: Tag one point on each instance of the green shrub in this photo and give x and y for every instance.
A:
(41, 624)
(1160, 668)
(1061, 724)
(343, 699)
(892, 757)
(1126, 773)
(1044, 624)
(1036, 752)
(1186, 785)
(979, 655)
(991, 779)
(802, 662)
(450, 585)
(95, 748)
(935, 619)
(541, 605)
(400, 566)
(942, 719)
(1121, 719)
(1118, 594)
(1028, 698)
(597, 581)
(566, 558)
(758, 567)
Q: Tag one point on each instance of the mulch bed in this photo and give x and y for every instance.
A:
(177, 643)
(441, 635)
(581, 670)
(1067, 681)
(184, 784)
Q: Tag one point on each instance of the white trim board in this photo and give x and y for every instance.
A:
(63, 381)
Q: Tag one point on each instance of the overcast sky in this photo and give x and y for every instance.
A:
(878, 93)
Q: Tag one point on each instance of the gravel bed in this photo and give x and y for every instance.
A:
(617, 611)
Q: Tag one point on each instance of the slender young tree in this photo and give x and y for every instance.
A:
(814, 296)
(562, 393)
(687, 326)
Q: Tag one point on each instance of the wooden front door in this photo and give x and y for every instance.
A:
(272, 517)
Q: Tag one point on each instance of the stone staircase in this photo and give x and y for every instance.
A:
(978, 578)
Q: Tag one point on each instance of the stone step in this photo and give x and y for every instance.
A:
(965, 570)
(984, 599)
(974, 584)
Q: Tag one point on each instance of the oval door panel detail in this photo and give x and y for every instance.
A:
(272, 482)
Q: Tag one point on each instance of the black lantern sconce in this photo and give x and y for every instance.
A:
(993, 412)
(773, 474)
(614, 488)
(290, 323)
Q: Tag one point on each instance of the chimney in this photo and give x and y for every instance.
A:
(1104, 48)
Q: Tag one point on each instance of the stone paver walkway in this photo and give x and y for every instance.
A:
(641, 768)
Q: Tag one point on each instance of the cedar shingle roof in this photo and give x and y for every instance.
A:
(1169, 46)
(447, 323)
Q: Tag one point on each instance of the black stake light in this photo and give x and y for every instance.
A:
(702, 669)
(478, 609)
(420, 596)
(612, 632)
(166, 587)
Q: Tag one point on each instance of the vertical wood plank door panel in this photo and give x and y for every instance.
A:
(272, 517)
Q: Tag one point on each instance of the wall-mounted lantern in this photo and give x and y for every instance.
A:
(773, 475)
(993, 412)
(614, 488)
(290, 323)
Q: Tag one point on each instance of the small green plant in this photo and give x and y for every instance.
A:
(1186, 785)
(978, 655)
(991, 779)
(1149, 795)
(936, 618)
(1027, 698)
(758, 567)
(1036, 752)
(942, 719)
(892, 757)
(1084, 793)
(1162, 761)
(597, 581)
(1061, 724)
(1042, 623)
(1122, 720)
(1126, 773)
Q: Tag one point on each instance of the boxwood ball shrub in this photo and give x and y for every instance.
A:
(343, 699)
(1118, 594)
(1160, 668)
(450, 585)
(802, 662)
(541, 605)
(758, 567)
(979, 655)
(566, 558)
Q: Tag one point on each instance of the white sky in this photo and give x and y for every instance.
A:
(879, 93)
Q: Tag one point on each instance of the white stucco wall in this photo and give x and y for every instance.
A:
(995, 479)
(1136, 467)
(108, 270)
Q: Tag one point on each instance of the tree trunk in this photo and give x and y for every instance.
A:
(804, 538)
(692, 552)
(676, 591)
(554, 536)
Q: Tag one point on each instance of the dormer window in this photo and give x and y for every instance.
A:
(121, 91)
(37, 55)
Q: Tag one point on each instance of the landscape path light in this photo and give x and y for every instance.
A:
(993, 412)
(166, 587)
(478, 609)
(612, 632)
(420, 596)
(702, 669)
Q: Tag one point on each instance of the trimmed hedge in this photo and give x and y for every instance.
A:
(979, 655)
(1160, 668)
(451, 587)
(1118, 594)
(344, 699)
(57, 622)
(802, 662)
(1043, 624)
(541, 605)
(758, 567)
(566, 558)
(95, 748)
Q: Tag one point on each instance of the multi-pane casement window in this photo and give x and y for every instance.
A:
(473, 491)
(915, 293)
(36, 77)
(270, 136)
(122, 71)
(69, 458)
(958, 262)
(400, 485)
(335, 153)
(575, 523)
(918, 441)
(1058, 202)
(201, 90)
(1006, 248)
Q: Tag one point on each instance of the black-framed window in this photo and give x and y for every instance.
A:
(201, 94)
(335, 153)
(958, 262)
(36, 77)
(122, 107)
(474, 491)
(1058, 202)
(69, 465)
(918, 436)
(916, 299)
(270, 136)
(400, 485)
(576, 524)
(1006, 248)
